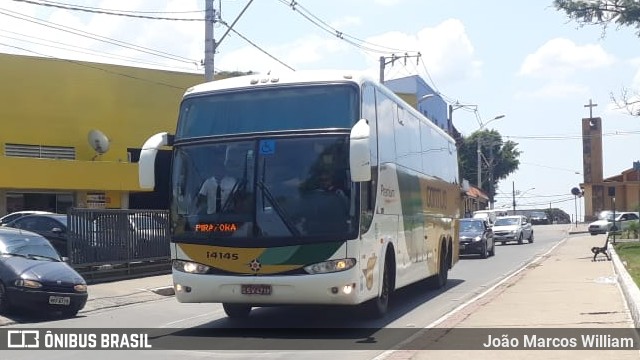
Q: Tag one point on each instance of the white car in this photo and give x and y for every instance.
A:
(512, 228)
(604, 224)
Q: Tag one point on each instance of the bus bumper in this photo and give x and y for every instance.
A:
(340, 288)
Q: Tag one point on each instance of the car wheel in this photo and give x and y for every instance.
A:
(520, 239)
(485, 251)
(492, 252)
(236, 311)
(531, 237)
(4, 300)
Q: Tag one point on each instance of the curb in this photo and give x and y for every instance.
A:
(628, 286)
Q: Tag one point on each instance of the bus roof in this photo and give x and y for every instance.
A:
(256, 80)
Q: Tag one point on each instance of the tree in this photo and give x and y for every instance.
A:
(602, 12)
(499, 159)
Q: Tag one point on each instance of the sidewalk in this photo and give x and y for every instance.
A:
(125, 292)
(564, 289)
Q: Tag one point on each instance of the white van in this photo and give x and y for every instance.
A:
(489, 215)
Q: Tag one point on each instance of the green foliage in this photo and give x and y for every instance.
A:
(501, 159)
(602, 12)
(633, 229)
(629, 252)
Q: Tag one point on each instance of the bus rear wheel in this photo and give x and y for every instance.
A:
(236, 311)
(440, 280)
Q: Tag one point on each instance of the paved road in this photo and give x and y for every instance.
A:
(413, 308)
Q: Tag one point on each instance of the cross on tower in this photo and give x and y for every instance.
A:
(591, 105)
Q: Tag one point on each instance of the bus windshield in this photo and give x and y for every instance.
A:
(264, 190)
(269, 109)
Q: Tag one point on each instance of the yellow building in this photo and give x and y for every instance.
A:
(48, 107)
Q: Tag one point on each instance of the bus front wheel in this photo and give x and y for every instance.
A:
(378, 307)
(236, 311)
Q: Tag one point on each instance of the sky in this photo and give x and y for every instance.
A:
(521, 59)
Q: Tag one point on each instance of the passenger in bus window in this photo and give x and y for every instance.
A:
(215, 190)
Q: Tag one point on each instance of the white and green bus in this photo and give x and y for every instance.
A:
(307, 188)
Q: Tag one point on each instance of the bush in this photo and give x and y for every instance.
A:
(633, 229)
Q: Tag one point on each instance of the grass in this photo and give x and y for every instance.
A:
(629, 252)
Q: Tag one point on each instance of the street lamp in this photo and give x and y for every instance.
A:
(520, 194)
(479, 151)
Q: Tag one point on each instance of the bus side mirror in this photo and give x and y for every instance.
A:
(360, 152)
(147, 162)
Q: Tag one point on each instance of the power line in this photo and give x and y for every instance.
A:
(568, 137)
(104, 12)
(126, 11)
(256, 46)
(323, 25)
(96, 67)
(69, 47)
(105, 39)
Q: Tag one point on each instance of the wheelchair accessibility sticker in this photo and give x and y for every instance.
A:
(267, 147)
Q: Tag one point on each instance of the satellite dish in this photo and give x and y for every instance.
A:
(98, 141)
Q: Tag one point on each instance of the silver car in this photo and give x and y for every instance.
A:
(512, 228)
(605, 221)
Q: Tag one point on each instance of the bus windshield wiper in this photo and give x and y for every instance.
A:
(286, 219)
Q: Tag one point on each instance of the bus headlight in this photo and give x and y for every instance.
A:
(330, 266)
(190, 267)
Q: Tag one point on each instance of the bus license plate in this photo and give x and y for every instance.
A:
(256, 289)
(59, 300)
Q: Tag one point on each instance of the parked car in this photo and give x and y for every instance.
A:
(476, 237)
(512, 228)
(34, 277)
(605, 223)
(17, 214)
(52, 226)
(538, 218)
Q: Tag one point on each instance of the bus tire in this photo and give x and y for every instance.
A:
(377, 308)
(236, 311)
(438, 281)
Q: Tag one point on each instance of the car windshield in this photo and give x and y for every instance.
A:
(507, 221)
(470, 226)
(606, 215)
(144, 222)
(32, 247)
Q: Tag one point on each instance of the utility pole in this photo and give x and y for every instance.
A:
(513, 191)
(479, 153)
(384, 60)
(209, 41)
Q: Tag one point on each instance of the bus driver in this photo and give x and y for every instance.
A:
(216, 190)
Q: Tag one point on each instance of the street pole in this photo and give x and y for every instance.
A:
(575, 201)
(513, 190)
(209, 41)
(479, 153)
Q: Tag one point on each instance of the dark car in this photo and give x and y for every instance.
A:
(51, 226)
(476, 237)
(34, 277)
(538, 218)
(15, 215)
